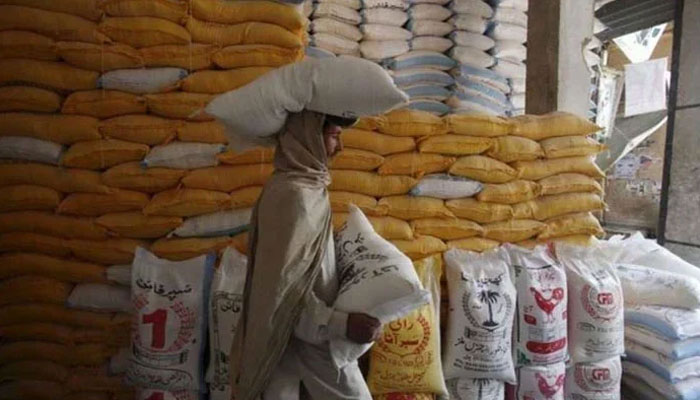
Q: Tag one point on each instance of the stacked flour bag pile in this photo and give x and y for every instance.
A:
(662, 321)
(383, 35)
(335, 27)
(508, 28)
(99, 118)
(596, 321)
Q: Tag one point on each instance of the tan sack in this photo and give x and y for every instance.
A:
(256, 55)
(61, 129)
(95, 204)
(243, 33)
(370, 184)
(376, 142)
(187, 202)
(204, 132)
(183, 249)
(421, 247)
(411, 207)
(33, 289)
(540, 169)
(99, 57)
(133, 176)
(88, 9)
(473, 244)
(478, 211)
(458, 145)
(67, 180)
(513, 231)
(49, 74)
(406, 122)
(23, 44)
(415, 164)
(389, 228)
(258, 155)
(483, 169)
(103, 104)
(141, 32)
(175, 11)
(478, 125)
(539, 127)
(100, 154)
(572, 224)
(340, 202)
(513, 148)
(20, 264)
(355, 159)
(228, 178)
(547, 207)
(51, 224)
(28, 99)
(57, 25)
(571, 146)
(569, 183)
(145, 129)
(179, 105)
(246, 197)
(245, 11)
(135, 225)
(510, 193)
(34, 243)
(215, 82)
(28, 197)
(446, 229)
(57, 314)
(192, 57)
(110, 251)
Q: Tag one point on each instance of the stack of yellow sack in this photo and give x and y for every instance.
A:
(99, 127)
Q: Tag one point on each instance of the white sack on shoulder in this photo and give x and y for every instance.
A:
(446, 187)
(100, 297)
(594, 381)
(183, 155)
(481, 389)
(223, 223)
(648, 286)
(143, 81)
(375, 279)
(30, 149)
(541, 382)
(482, 305)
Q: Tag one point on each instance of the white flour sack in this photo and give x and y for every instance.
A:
(446, 187)
(596, 308)
(30, 149)
(225, 306)
(183, 155)
(475, 389)
(143, 81)
(541, 383)
(100, 297)
(168, 334)
(540, 323)
(480, 325)
(667, 368)
(375, 279)
(671, 348)
(653, 287)
(672, 323)
(594, 381)
(223, 223)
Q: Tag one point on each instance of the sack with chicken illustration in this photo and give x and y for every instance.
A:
(470, 389)
(541, 322)
(540, 383)
(594, 381)
(482, 305)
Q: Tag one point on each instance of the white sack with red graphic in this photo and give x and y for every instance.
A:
(480, 324)
(594, 381)
(156, 394)
(540, 323)
(480, 389)
(541, 382)
(168, 335)
(596, 307)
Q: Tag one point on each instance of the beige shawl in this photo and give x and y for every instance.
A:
(291, 226)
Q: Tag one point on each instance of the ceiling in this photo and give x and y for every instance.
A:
(626, 16)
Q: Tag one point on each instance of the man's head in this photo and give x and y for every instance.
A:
(332, 127)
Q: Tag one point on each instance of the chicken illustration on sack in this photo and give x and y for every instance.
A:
(541, 383)
(594, 381)
(541, 323)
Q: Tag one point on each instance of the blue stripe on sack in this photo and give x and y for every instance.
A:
(652, 323)
(436, 77)
(484, 73)
(421, 61)
(427, 90)
(481, 88)
(653, 366)
(430, 106)
(482, 102)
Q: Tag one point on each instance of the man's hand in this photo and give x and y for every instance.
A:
(363, 329)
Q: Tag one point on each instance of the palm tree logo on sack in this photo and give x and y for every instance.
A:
(488, 305)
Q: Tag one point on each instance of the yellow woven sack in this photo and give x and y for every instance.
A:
(571, 146)
(31, 99)
(513, 231)
(540, 169)
(179, 105)
(100, 154)
(104, 103)
(510, 193)
(65, 180)
(61, 129)
(368, 123)
(261, 55)
(28, 197)
(415, 164)
(376, 142)
(370, 184)
(203, 132)
(539, 127)
(389, 228)
(94, 57)
(421, 247)
(33, 243)
(141, 32)
(57, 314)
(243, 33)
(246, 197)
(412, 123)
(414, 207)
(478, 125)
(577, 240)
(145, 129)
(132, 176)
(514, 148)
(458, 145)
(135, 225)
(572, 224)
(569, 183)
(406, 358)
(183, 249)
(340, 202)
(446, 229)
(92, 355)
(51, 224)
(228, 178)
(483, 169)
(192, 57)
(95, 204)
(28, 370)
(109, 252)
(473, 244)
(49, 74)
(88, 9)
(57, 25)
(33, 289)
(187, 202)
(258, 155)
(246, 11)
(215, 82)
(547, 207)
(480, 212)
(355, 159)
(19, 264)
(172, 10)
(22, 44)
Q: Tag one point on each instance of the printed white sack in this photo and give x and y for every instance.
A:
(653, 287)
(470, 23)
(541, 382)
(446, 187)
(472, 7)
(378, 50)
(510, 16)
(338, 12)
(669, 369)
(475, 40)
(510, 69)
(223, 223)
(337, 28)
(181, 155)
(432, 12)
(503, 31)
(397, 4)
(471, 56)
(594, 381)
(541, 319)
(375, 279)
(509, 50)
(225, 305)
(423, 27)
(596, 305)
(120, 274)
(671, 348)
(482, 305)
(384, 32)
(142, 81)
(334, 43)
(155, 394)
(100, 297)
(168, 337)
(656, 387)
(354, 4)
(673, 323)
(30, 149)
(475, 389)
(431, 43)
(384, 16)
